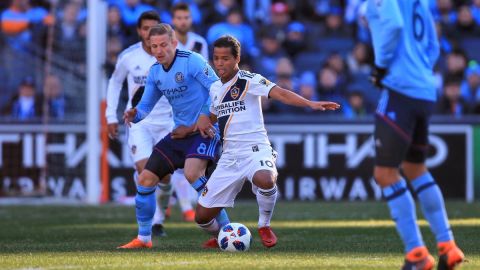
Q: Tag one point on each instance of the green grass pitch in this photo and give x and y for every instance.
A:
(311, 236)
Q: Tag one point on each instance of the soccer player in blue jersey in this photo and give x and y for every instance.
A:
(406, 49)
(184, 78)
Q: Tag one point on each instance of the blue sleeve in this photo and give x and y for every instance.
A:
(199, 68)
(391, 24)
(150, 97)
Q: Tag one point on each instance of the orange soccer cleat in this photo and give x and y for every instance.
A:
(450, 256)
(136, 244)
(189, 216)
(418, 259)
(269, 239)
(211, 243)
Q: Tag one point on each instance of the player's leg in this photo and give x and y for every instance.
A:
(201, 152)
(429, 194)
(222, 188)
(182, 189)
(394, 124)
(158, 166)
(265, 189)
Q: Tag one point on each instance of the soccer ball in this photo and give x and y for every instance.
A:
(234, 237)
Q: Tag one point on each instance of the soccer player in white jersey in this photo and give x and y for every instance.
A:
(187, 40)
(247, 154)
(133, 64)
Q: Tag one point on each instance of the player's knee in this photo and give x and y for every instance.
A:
(264, 179)
(192, 174)
(413, 170)
(386, 176)
(147, 179)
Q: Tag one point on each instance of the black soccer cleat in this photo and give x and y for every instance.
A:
(158, 230)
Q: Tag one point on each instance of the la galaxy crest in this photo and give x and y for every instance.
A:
(265, 82)
(234, 92)
(179, 77)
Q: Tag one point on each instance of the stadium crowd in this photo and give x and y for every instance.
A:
(321, 48)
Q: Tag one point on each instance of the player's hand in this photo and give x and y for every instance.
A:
(129, 115)
(204, 126)
(377, 76)
(181, 132)
(112, 130)
(324, 105)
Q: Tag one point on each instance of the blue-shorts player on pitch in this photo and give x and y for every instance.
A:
(184, 78)
(406, 49)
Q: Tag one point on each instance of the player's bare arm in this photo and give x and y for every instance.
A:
(204, 126)
(129, 115)
(182, 131)
(290, 98)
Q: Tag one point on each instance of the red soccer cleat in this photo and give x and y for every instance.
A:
(189, 216)
(211, 243)
(269, 239)
(418, 259)
(136, 244)
(450, 256)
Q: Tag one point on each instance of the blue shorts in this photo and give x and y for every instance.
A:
(401, 129)
(170, 154)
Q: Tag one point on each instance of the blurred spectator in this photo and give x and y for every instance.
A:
(359, 60)
(295, 41)
(114, 47)
(68, 42)
(470, 87)
(257, 11)
(115, 27)
(26, 104)
(329, 88)
(271, 52)
(336, 62)
(82, 10)
(55, 98)
(466, 26)
(131, 11)
(451, 102)
(334, 26)
(444, 12)
(475, 7)
(446, 45)
(456, 63)
(280, 19)
(195, 12)
(234, 26)
(21, 28)
(356, 106)
(219, 11)
(284, 78)
(187, 40)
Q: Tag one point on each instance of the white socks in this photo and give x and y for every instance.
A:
(211, 227)
(163, 193)
(182, 189)
(266, 199)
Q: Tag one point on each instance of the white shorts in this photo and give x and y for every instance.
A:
(232, 170)
(142, 137)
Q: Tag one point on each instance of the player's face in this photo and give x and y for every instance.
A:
(144, 29)
(225, 63)
(163, 48)
(182, 21)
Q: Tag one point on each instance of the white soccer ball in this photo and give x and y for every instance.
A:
(234, 237)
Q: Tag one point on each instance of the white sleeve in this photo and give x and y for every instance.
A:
(260, 86)
(212, 106)
(204, 51)
(114, 89)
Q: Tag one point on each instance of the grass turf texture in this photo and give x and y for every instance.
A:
(311, 236)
